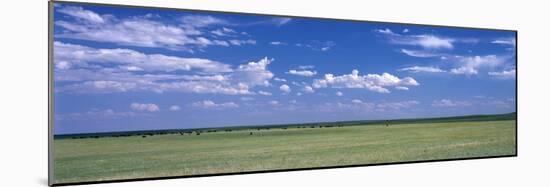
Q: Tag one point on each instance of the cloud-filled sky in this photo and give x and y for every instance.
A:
(121, 69)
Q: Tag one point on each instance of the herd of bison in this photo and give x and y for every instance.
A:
(198, 132)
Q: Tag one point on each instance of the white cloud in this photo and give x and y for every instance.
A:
(174, 108)
(149, 107)
(274, 103)
(298, 83)
(204, 87)
(385, 31)
(421, 69)
(316, 45)
(62, 65)
(431, 42)
(470, 65)
(422, 54)
(505, 41)
(306, 67)
(72, 55)
(224, 32)
(281, 21)
(254, 73)
(142, 31)
(89, 70)
(339, 94)
(208, 104)
(505, 74)
(242, 42)
(464, 70)
(285, 88)
(425, 41)
(80, 13)
(277, 43)
(357, 101)
(401, 88)
(308, 89)
(276, 21)
(279, 79)
(450, 103)
(202, 21)
(264, 93)
(305, 73)
(372, 82)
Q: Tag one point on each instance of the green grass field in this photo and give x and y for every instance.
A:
(112, 158)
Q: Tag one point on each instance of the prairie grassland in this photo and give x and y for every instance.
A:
(110, 158)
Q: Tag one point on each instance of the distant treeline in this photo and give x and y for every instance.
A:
(198, 131)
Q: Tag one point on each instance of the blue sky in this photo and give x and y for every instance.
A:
(119, 69)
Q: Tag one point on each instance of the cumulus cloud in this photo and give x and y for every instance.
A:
(254, 73)
(148, 107)
(450, 103)
(89, 70)
(470, 65)
(505, 74)
(422, 69)
(285, 88)
(305, 73)
(428, 41)
(174, 108)
(372, 82)
(308, 89)
(208, 104)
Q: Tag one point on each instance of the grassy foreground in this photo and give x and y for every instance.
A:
(112, 158)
